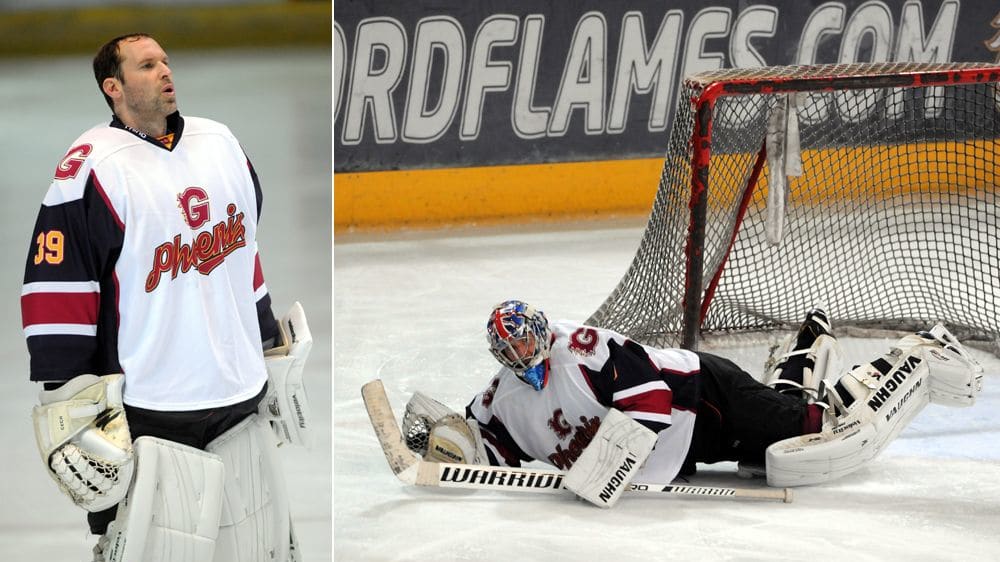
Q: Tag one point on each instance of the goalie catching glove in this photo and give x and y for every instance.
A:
(436, 433)
(84, 440)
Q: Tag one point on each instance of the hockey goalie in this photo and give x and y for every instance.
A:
(609, 410)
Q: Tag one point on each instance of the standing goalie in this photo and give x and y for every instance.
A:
(608, 410)
(166, 377)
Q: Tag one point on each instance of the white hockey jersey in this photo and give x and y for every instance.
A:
(144, 261)
(591, 370)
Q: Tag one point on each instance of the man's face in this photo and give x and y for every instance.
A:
(521, 350)
(147, 83)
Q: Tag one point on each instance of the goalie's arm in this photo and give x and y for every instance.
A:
(500, 447)
(600, 475)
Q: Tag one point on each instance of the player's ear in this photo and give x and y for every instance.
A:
(112, 87)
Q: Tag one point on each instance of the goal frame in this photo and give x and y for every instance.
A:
(815, 78)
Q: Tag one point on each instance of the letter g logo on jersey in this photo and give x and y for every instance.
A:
(70, 165)
(193, 203)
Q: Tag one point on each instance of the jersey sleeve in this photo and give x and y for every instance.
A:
(644, 383)
(501, 449)
(68, 297)
(265, 315)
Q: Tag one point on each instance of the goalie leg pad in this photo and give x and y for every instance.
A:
(84, 440)
(286, 405)
(612, 459)
(879, 407)
(171, 513)
(254, 524)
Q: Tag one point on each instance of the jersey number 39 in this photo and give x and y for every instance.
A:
(50, 247)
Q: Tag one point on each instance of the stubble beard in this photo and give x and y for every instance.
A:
(151, 113)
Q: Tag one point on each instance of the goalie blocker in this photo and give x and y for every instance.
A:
(286, 405)
(611, 460)
(873, 403)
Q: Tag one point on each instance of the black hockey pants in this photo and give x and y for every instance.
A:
(738, 417)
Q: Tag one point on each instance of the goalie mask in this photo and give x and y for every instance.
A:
(519, 338)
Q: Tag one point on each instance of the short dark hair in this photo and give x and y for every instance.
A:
(108, 63)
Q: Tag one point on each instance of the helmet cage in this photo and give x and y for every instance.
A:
(518, 335)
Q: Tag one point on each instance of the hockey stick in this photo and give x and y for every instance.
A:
(413, 470)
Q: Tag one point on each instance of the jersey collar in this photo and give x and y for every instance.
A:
(175, 125)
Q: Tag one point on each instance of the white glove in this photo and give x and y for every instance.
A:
(438, 434)
(454, 439)
(84, 440)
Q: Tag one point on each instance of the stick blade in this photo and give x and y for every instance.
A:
(402, 462)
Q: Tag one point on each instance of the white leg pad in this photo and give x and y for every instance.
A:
(171, 512)
(254, 525)
(871, 423)
(928, 367)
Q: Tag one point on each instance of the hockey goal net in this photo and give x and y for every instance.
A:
(868, 188)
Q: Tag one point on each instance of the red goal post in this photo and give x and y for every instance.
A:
(884, 209)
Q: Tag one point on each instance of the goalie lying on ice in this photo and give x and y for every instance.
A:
(607, 409)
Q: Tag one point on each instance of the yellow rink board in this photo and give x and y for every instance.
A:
(485, 195)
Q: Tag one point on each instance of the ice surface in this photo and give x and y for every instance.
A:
(411, 311)
(277, 102)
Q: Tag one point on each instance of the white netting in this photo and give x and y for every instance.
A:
(893, 224)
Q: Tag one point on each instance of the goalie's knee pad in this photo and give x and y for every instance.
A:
(171, 513)
(805, 358)
(84, 440)
(254, 523)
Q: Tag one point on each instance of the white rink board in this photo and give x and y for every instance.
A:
(411, 311)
